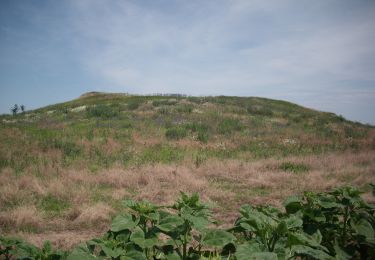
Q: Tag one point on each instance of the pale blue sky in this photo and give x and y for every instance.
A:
(319, 54)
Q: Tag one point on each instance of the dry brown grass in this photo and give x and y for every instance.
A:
(24, 217)
(225, 184)
(93, 215)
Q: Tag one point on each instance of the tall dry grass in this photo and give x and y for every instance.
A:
(94, 198)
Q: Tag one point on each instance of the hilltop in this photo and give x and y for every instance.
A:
(68, 166)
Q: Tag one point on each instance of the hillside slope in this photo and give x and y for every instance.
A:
(68, 166)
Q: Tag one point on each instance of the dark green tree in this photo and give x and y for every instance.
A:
(14, 109)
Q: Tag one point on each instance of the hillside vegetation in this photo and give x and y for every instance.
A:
(65, 168)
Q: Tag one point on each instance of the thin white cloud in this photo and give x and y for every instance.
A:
(236, 47)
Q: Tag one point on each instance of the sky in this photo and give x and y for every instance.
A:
(319, 54)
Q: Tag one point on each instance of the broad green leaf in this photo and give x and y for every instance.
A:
(173, 256)
(252, 251)
(317, 236)
(247, 248)
(259, 221)
(217, 238)
(292, 204)
(282, 228)
(170, 223)
(373, 189)
(363, 228)
(123, 236)
(199, 223)
(150, 242)
(81, 253)
(122, 222)
(299, 238)
(293, 222)
(300, 250)
(109, 252)
(329, 204)
(138, 237)
(153, 216)
(340, 253)
(246, 226)
(133, 255)
(315, 215)
(263, 256)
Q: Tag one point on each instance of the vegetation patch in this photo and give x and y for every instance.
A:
(53, 205)
(69, 148)
(176, 133)
(102, 111)
(184, 108)
(229, 125)
(294, 167)
(202, 130)
(164, 102)
(134, 103)
(160, 154)
(259, 110)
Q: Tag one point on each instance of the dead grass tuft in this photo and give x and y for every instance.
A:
(21, 218)
(95, 214)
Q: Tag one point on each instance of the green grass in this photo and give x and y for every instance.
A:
(159, 154)
(229, 125)
(176, 133)
(53, 205)
(294, 167)
(102, 111)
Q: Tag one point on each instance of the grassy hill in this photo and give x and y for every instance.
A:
(65, 168)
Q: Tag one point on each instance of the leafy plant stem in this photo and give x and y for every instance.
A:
(346, 215)
(184, 246)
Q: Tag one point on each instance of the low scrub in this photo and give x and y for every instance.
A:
(159, 154)
(259, 110)
(294, 167)
(200, 129)
(164, 102)
(332, 225)
(102, 111)
(134, 103)
(229, 125)
(176, 133)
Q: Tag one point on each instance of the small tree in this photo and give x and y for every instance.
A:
(22, 108)
(14, 109)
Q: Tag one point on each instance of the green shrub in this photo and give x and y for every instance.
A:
(160, 154)
(134, 103)
(229, 125)
(103, 111)
(199, 159)
(201, 129)
(185, 109)
(202, 137)
(164, 102)
(176, 133)
(164, 110)
(355, 132)
(294, 167)
(259, 110)
(3, 162)
(69, 148)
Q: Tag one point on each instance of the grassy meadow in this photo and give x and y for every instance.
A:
(66, 168)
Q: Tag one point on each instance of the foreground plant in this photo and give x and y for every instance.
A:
(332, 225)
